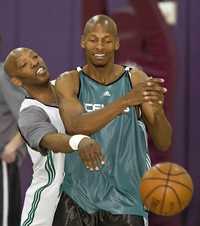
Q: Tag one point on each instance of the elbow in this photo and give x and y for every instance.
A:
(164, 146)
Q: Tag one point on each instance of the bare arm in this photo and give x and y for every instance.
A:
(42, 136)
(10, 150)
(57, 142)
(75, 119)
(17, 140)
(153, 113)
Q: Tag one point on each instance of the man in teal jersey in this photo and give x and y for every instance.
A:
(115, 105)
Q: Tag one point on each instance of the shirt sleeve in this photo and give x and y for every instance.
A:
(34, 124)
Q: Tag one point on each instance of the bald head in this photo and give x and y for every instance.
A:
(103, 20)
(10, 64)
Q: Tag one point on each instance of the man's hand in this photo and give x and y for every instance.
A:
(9, 153)
(150, 91)
(90, 153)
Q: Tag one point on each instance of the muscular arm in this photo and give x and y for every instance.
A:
(75, 119)
(154, 116)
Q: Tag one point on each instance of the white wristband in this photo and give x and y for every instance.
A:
(75, 140)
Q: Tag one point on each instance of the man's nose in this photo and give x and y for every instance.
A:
(99, 45)
(34, 62)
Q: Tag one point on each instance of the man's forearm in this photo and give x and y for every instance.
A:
(57, 142)
(90, 122)
(161, 131)
(16, 141)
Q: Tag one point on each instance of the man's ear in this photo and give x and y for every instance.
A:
(117, 44)
(83, 41)
(15, 81)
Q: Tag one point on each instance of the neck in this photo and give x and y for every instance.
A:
(105, 74)
(44, 94)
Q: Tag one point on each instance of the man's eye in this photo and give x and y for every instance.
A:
(22, 65)
(92, 40)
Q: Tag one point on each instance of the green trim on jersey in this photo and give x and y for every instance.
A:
(50, 169)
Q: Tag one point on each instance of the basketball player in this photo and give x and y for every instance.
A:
(42, 129)
(114, 104)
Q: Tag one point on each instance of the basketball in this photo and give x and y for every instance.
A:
(166, 189)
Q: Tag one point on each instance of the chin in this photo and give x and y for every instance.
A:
(44, 80)
(99, 64)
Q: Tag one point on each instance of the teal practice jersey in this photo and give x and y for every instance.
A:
(115, 187)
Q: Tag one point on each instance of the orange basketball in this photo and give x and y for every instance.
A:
(166, 189)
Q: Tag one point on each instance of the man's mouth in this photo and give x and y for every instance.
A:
(41, 70)
(99, 55)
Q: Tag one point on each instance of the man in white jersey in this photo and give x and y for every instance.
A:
(42, 129)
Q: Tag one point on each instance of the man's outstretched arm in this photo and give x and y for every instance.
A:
(74, 117)
(42, 136)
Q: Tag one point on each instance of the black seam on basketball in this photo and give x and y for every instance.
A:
(176, 194)
(170, 180)
(150, 193)
(172, 174)
(165, 190)
(153, 190)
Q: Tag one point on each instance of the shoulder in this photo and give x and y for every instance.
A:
(30, 102)
(68, 81)
(67, 76)
(138, 75)
(33, 113)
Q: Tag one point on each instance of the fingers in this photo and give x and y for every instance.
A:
(153, 91)
(155, 84)
(96, 157)
(91, 155)
(153, 96)
(156, 80)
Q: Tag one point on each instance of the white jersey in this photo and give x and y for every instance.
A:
(43, 194)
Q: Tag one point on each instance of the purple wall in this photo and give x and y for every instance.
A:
(187, 136)
(52, 28)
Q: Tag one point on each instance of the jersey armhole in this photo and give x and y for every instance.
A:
(138, 107)
(79, 70)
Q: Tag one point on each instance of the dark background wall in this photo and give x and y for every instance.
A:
(49, 27)
(53, 28)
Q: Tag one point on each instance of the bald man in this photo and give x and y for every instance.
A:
(41, 126)
(114, 104)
